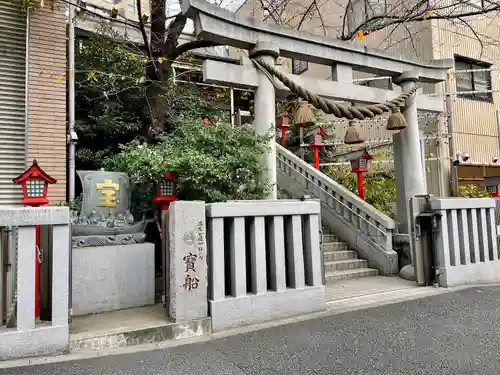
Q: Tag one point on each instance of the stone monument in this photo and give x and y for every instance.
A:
(105, 217)
(113, 267)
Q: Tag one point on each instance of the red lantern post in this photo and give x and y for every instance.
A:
(359, 165)
(165, 194)
(166, 191)
(283, 123)
(492, 186)
(35, 183)
(318, 142)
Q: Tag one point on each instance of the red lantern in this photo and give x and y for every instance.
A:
(317, 142)
(492, 186)
(35, 183)
(359, 165)
(283, 123)
(165, 191)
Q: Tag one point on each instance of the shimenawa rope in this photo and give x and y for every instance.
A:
(328, 106)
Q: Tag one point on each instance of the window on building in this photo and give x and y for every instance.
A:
(473, 76)
(131, 7)
(299, 67)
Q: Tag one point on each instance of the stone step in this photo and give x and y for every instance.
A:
(330, 238)
(130, 327)
(333, 276)
(348, 264)
(333, 256)
(333, 246)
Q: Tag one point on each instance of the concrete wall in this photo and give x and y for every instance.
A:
(47, 95)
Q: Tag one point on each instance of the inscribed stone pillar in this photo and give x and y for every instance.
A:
(265, 112)
(187, 265)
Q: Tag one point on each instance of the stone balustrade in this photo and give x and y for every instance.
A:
(264, 261)
(29, 337)
(366, 229)
(466, 249)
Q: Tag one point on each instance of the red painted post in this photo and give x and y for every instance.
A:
(37, 272)
(361, 191)
(283, 137)
(316, 158)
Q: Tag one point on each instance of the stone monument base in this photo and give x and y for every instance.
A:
(108, 278)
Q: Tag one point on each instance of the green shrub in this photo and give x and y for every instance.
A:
(214, 163)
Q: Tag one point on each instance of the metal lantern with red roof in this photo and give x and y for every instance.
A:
(359, 165)
(316, 141)
(35, 183)
(166, 191)
(283, 123)
(492, 186)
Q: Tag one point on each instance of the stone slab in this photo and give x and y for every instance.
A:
(251, 309)
(107, 278)
(43, 340)
(479, 273)
(263, 208)
(187, 265)
(461, 203)
(27, 216)
(127, 337)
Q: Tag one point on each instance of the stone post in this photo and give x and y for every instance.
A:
(413, 170)
(265, 112)
(187, 263)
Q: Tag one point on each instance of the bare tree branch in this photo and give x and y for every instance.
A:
(380, 22)
(144, 34)
(306, 13)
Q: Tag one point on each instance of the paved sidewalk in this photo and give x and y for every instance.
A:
(452, 333)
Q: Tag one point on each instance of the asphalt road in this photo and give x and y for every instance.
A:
(452, 333)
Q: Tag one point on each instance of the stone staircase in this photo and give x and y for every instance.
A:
(340, 262)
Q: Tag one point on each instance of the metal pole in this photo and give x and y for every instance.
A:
(453, 151)
(231, 94)
(498, 130)
(71, 103)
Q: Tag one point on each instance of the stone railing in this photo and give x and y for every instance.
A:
(23, 334)
(354, 221)
(264, 261)
(466, 242)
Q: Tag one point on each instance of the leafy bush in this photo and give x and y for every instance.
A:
(379, 185)
(472, 191)
(214, 162)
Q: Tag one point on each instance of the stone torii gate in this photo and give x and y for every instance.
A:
(267, 42)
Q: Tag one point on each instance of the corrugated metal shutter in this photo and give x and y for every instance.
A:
(12, 99)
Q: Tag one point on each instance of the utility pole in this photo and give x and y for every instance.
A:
(72, 136)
